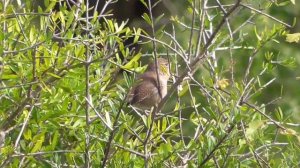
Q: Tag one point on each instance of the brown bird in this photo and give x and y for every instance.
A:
(151, 86)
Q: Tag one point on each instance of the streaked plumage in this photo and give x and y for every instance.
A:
(147, 90)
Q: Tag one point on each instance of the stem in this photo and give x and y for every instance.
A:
(87, 94)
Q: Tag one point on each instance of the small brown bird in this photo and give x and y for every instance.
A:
(148, 90)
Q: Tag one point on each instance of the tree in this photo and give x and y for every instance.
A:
(65, 74)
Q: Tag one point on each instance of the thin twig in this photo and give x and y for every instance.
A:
(88, 97)
(256, 156)
(265, 115)
(23, 126)
(267, 15)
(208, 157)
(259, 150)
(98, 114)
(23, 49)
(130, 150)
(20, 85)
(44, 153)
(111, 136)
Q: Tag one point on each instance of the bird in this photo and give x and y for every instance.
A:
(150, 87)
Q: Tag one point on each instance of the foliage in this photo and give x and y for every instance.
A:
(65, 74)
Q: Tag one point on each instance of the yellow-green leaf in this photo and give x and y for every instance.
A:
(137, 35)
(54, 75)
(133, 62)
(293, 2)
(45, 87)
(27, 134)
(253, 127)
(223, 83)
(288, 131)
(291, 38)
(183, 89)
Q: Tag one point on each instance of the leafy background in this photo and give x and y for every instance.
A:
(65, 73)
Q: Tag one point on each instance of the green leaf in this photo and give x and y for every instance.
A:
(45, 87)
(158, 18)
(50, 6)
(254, 126)
(38, 140)
(133, 62)
(32, 34)
(46, 2)
(27, 135)
(114, 109)
(7, 150)
(1, 36)
(137, 34)
(279, 113)
(165, 148)
(37, 146)
(9, 76)
(183, 90)
(62, 18)
(70, 20)
(110, 24)
(55, 138)
(146, 17)
(256, 34)
(119, 28)
(80, 51)
(144, 3)
(164, 124)
(78, 123)
(108, 120)
(40, 10)
(54, 75)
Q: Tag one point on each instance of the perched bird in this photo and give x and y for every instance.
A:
(151, 86)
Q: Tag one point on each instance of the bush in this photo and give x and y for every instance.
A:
(65, 73)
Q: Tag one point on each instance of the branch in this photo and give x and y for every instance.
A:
(265, 115)
(259, 150)
(269, 16)
(111, 136)
(200, 57)
(217, 146)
